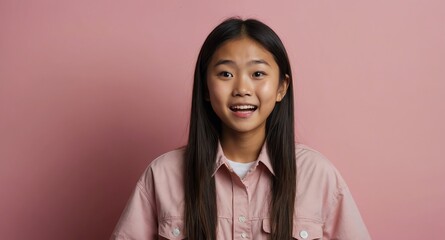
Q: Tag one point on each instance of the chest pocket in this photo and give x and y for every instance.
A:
(302, 229)
(172, 228)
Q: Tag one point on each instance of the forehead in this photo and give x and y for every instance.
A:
(241, 50)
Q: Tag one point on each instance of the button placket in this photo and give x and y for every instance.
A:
(240, 210)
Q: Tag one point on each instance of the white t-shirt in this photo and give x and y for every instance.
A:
(240, 169)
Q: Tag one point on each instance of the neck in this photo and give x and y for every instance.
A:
(242, 147)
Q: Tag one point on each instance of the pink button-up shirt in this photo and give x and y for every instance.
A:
(324, 208)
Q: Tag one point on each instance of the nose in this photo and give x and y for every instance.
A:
(242, 87)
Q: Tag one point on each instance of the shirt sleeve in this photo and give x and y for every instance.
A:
(139, 219)
(344, 221)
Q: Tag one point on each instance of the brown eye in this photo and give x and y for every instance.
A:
(259, 74)
(225, 74)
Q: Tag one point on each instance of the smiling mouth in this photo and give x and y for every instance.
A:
(243, 108)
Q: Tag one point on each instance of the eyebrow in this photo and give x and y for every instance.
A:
(230, 62)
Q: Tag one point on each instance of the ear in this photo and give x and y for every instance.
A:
(282, 89)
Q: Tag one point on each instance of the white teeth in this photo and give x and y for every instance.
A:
(243, 107)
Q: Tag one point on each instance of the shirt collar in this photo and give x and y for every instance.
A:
(263, 158)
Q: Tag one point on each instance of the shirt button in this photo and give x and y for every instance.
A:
(244, 235)
(176, 232)
(242, 219)
(304, 234)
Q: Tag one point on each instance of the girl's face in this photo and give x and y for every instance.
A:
(243, 85)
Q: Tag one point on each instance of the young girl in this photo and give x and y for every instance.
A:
(241, 175)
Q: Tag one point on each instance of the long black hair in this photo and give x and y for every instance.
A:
(205, 128)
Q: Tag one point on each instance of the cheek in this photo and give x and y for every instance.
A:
(267, 92)
(218, 89)
(211, 88)
(217, 97)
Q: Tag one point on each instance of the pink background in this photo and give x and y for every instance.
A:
(92, 91)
